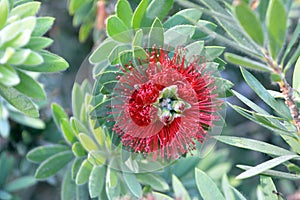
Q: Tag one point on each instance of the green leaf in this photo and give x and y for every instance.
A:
(246, 62)
(268, 188)
(124, 12)
(118, 30)
(185, 165)
(10, 31)
(102, 51)
(250, 23)
(85, 30)
(5, 195)
(7, 163)
(40, 154)
(43, 24)
(82, 192)
(19, 101)
(194, 49)
(84, 172)
(53, 164)
(212, 52)
(179, 189)
(112, 184)
(13, 57)
(21, 40)
(76, 165)
(77, 100)
(178, 35)
(52, 63)
(67, 131)
(238, 195)
(74, 5)
(274, 173)
(87, 142)
(254, 145)
(156, 9)
(4, 8)
(38, 43)
(27, 121)
(10, 76)
(139, 14)
(138, 38)
(58, 114)
(207, 187)
(158, 195)
(96, 181)
(68, 187)
(33, 59)
(26, 9)
(78, 150)
(291, 43)
(265, 166)
(188, 16)
(133, 184)
(276, 25)
(30, 87)
(296, 75)
(156, 35)
(259, 89)
(155, 181)
(20, 183)
(226, 188)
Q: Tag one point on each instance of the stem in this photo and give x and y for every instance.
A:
(287, 92)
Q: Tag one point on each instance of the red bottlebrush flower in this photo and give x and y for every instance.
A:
(163, 107)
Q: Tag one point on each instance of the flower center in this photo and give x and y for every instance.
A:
(169, 105)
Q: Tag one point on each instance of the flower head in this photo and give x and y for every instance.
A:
(162, 107)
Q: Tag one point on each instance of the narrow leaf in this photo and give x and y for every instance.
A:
(4, 8)
(268, 188)
(207, 187)
(68, 187)
(53, 164)
(40, 154)
(246, 62)
(296, 75)
(250, 23)
(276, 26)
(179, 190)
(254, 145)
(226, 188)
(84, 172)
(58, 114)
(139, 14)
(265, 166)
(155, 181)
(20, 183)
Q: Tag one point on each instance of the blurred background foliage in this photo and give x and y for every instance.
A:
(73, 40)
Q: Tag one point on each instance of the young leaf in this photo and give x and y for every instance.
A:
(133, 184)
(124, 12)
(26, 9)
(179, 190)
(78, 149)
(156, 35)
(40, 154)
(188, 16)
(118, 30)
(67, 131)
(53, 164)
(87, 142)
(207, 187)
(250, 23)
(38, 43)
(30, 87)
(276, 26)
(96, 181)
(296, 75)
(76, 165)
(84, 172)
(246, 62)
(265, 166)
(4, 8)
(10, 76)
(254, 145)
(19, 101)
(139, 14)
